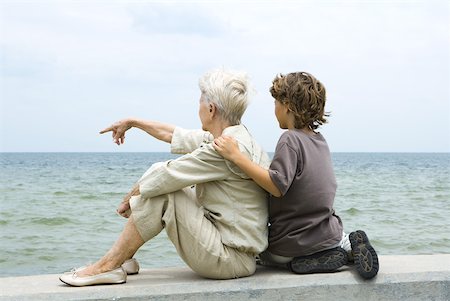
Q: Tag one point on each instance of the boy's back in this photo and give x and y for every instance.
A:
(302, 221)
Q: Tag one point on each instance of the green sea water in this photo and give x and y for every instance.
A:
(57, 210)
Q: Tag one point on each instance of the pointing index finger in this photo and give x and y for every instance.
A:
(108, 129)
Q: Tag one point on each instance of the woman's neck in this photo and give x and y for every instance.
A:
(217, 128)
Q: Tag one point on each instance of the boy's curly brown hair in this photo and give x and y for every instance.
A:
(305, 96)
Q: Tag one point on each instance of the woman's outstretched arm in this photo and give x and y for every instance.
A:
(159, 130)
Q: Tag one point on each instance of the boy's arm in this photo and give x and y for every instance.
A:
(228, 148)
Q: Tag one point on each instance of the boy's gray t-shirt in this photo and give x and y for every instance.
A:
(302, 220)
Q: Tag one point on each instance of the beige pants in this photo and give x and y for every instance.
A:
(197, 240)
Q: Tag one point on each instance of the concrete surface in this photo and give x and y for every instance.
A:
(415, 277)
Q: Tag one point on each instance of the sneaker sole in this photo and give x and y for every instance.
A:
(365, 257)
(322, 262)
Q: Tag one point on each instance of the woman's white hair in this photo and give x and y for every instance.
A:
(228, 91)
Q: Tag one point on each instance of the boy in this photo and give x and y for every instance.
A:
(304, 231)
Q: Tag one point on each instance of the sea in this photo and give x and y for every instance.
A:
(58, 210)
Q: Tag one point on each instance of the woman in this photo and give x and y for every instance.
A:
(213, 213)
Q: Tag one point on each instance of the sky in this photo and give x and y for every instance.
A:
(71, 68)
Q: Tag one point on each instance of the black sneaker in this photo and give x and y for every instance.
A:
(321, 262)
(365, 257)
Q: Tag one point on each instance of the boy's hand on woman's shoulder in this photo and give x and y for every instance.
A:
(227, 147)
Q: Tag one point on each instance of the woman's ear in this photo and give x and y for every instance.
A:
(212, 110)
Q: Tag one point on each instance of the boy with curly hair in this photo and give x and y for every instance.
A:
(305, 234)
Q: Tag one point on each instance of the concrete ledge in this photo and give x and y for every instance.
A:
(415, 277)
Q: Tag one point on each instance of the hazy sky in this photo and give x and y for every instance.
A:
(70, 68)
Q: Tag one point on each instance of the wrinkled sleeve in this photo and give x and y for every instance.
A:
(202, 165)
(186, 141)
(283, 168)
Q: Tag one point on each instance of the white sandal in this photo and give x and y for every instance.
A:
(116, 276)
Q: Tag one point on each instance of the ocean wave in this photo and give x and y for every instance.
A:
(352, 211)
(50, 221)
(60, 193)
(89, 197)
(47, 258)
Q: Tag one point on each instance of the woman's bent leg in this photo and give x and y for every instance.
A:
(195, 237)
(124, 248)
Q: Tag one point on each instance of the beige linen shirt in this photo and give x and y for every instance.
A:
(232, 201)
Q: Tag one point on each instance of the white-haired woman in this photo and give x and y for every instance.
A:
(213, 213)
